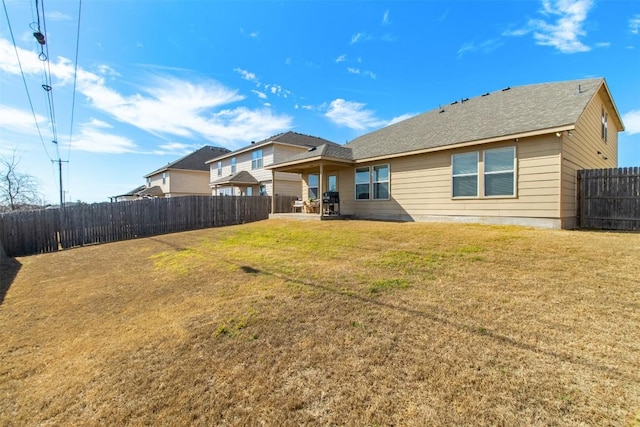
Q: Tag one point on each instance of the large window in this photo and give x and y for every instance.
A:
(380, 180)
(499, 172)
(374, 177)
(256, 159)
(465, 174)
(233, 165)
(362, 183)
(312, 183)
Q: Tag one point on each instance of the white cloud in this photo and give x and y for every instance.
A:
(58, 16)
(20, 121)
(246, 75)
(357, 71)
(385, 17)
(562, 25)
(177, 148)
(631, 122)
(401, 118)
(352, 115)
(260, 95)
(92, 139)
(634, 24)
(356, 37)
(341, 58)
(485, 47)
(165, 106)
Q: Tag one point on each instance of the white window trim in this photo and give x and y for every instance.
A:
(371, 182)
(256, 160)
(480, 193)
(477, 175)
(513, 171)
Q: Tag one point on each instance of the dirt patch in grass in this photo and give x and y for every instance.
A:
(339, 323)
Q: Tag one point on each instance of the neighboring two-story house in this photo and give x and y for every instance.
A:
(187, 176)
(242, 172)
(506, 157)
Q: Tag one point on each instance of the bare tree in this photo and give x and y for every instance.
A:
(17, 190)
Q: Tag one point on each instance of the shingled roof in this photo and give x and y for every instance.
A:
(508, 112)
(194, 161)
(290, 138)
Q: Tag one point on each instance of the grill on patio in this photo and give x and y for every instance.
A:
(331, 203)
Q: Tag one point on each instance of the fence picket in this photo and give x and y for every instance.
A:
(609, 199)
(48, 230)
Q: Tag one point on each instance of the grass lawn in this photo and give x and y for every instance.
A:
(333, 323)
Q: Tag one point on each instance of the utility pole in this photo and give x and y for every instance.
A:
(59, 162)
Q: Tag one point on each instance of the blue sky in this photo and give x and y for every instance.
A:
(158, 79)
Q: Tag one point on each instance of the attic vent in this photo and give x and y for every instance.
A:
(311, 149)
(464, 100)
(486, 94)
(454, 103)
(506, 89)
(253, 142)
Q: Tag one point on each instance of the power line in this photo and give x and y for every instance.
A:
(24, 80)
(75, 80)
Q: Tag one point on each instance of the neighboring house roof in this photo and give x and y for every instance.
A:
(194, 161)
(508, 113)
(154, 191)
(131, 193)
(333, 152)
(289, 138)
(242, 177)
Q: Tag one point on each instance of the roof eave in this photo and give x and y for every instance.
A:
(308, 160)
(471, 143)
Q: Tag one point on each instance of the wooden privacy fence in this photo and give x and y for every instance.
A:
(48, 230)
(609, 199)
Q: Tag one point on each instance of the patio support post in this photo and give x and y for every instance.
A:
(320, 189)
(273, 191)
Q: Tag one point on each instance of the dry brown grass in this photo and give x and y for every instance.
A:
(333, 323)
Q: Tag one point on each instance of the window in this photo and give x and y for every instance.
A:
(256, 159)
(362, 183)
(148, 182)
(605, 125)
(499, 172)
(376, 177)
(233, 165)
(220, 168)
(380, 179)
(312, 182)
(465, 174)
(333, 183)
(164, 177)
(263, 190)
(249, 191)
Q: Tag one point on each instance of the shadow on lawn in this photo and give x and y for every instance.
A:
(9, 268)
(475, 330)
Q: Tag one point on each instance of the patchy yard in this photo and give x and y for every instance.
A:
(339, 323)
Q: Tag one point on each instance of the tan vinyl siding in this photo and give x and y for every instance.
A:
(186, 182)
(580, 151)
(289, 188)
(421, 186)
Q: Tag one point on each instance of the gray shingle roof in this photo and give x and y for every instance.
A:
(194, 161)
(242, 177)
(506, 112)
(291, 138)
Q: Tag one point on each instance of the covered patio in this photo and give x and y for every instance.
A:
(320, 168)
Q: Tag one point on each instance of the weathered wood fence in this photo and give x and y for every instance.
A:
(609, 199)
(49, 230)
